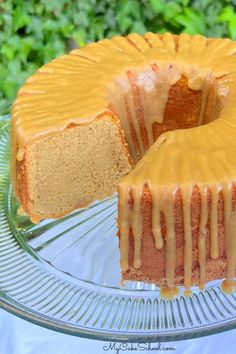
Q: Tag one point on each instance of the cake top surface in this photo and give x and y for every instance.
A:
(76, 88)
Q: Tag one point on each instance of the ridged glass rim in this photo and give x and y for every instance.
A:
(15, 307)
(152, 337)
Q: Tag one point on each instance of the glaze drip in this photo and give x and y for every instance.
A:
(202, 237)
(186, 195)
(229, 284)
(165, 204)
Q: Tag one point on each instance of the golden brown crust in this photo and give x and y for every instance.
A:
(22, 183)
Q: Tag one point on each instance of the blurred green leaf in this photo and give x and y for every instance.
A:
(81, 19)
(192, 21)
(20, 20)
(158, 5)
(172, 9)
(125, 24)
(8, 51)
(6, 6)
(8, 88)
(232, 27)
(79, 36)
(185, 2)
(27, 45)
(226, 14)
(14, 66)
(139, 28)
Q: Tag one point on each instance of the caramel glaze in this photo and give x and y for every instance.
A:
(143, 72)
(182, 159)
(154, 259)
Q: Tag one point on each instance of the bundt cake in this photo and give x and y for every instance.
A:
(117, 113)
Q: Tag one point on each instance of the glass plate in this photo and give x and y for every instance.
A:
(65, 275)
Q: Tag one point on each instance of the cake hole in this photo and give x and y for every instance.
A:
(161, 98)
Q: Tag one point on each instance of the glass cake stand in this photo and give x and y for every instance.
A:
(64, 275)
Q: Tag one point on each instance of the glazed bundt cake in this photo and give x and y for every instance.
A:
(154, 115)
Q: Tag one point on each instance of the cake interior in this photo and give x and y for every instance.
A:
(79, 163)
(157, 99)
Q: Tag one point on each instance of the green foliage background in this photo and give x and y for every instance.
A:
(32, 32)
